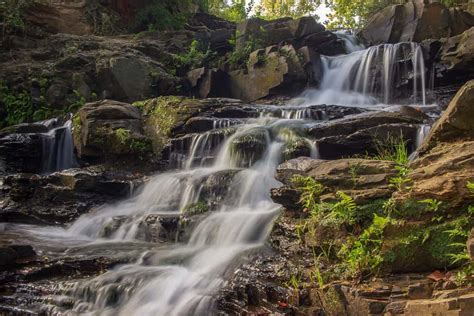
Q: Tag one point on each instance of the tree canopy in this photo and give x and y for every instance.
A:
(347, 14)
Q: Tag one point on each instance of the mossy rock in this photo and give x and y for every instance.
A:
(249, 147)
(421, 247)
(296, 147)
(121, 142)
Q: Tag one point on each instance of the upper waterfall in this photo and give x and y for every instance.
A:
(370, 76)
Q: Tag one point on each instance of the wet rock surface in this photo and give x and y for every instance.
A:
(63, 196)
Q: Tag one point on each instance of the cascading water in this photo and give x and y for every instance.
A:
(58, 146)
(182, 280)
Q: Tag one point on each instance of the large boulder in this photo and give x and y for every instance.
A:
(131, 78)
(415, 21)
(269, 71)
(109, 128)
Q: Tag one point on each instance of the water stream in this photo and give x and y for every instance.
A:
(182, 278)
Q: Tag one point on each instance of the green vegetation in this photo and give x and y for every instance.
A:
(240, 57)
(199, 207)
(120, 141)
(161, 116)
(235, 10)
(21, 108)
(310, 191)
(18, 106)
(294, 282)
(195, 57)
(11, 14)
(470, 187)
(376, 237)
(364, 254)
(76, 128)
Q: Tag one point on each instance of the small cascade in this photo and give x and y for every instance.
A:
(418, 72)
(350, 41)
(58, 147)
(292, 112)
(224, 123)
(196, 149)
(421, 135)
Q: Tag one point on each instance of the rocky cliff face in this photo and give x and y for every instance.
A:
(415, 21)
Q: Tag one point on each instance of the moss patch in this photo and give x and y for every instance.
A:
(161, 114)
(417, 247)
(121, 142)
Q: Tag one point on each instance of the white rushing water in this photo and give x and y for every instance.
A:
(58, 146)
(370, 76)
(183, 278)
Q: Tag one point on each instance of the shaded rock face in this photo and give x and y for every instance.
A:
(60, 18)
(125, 68)
(206, 83)
(456, 60)
(10, 255)
(21, 152)
(37, 147)
(415, 21)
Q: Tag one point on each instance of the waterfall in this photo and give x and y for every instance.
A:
(58, 146)
(155, 286)
(418, 72)
(369, 76)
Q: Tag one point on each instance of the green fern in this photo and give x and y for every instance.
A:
(310, 191)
